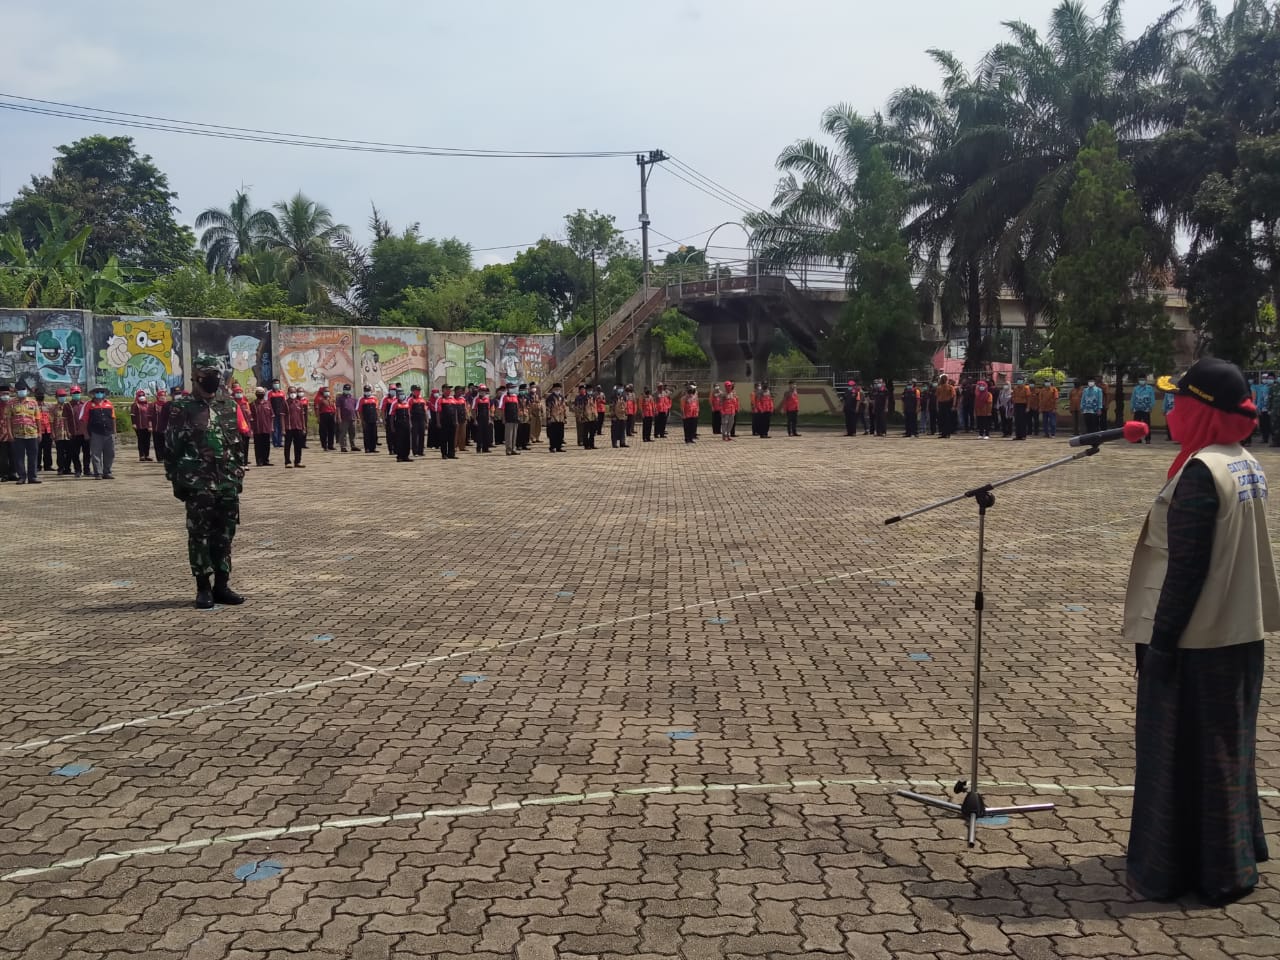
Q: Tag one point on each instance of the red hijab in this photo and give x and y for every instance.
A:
(1196, 425)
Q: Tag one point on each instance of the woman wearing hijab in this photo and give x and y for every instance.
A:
(1202, 592)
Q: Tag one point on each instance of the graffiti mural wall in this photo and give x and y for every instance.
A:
(388, 355)
(244, 346)
(137, 353)
(44, 347)
(522, 359)
(315, 357)
(462, 358)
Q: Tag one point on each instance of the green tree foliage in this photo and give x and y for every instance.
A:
(227, 235)
(312, 267)
(193, 291)
(399, 263)
(679, 343)
(878, 329)
(594, 234)
(1106, 320)
(123, 198)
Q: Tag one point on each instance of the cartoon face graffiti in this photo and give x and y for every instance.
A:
(56, 353)
(242, 354)
(510, 361)
(371, 371)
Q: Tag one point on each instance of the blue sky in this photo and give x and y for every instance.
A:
(722, 84)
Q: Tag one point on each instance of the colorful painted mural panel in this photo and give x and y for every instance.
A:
(462, 358)
(389, 355)
(315, 357)
(44, 347)
(244, 346)
(525, 359)
(137, 353)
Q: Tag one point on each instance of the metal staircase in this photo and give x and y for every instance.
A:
(576, 362)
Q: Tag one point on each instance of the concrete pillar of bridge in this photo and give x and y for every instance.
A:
(737, 340)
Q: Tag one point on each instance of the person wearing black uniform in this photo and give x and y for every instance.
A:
(911, 409)
(448, 425)
(510, 421)
(880, 408)
(499, 431)
(417, 420)
(483, 413)
(850, 405)
(401, 428)
(368, 410)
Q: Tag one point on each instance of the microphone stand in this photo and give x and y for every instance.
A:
(973, 808)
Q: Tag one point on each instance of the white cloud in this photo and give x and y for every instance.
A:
(48, 56)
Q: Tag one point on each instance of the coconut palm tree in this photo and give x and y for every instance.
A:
(232, 233)
(305, 237)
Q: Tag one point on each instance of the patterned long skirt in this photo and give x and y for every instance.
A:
(1197, 820)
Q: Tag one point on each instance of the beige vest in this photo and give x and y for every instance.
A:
(1240, 600)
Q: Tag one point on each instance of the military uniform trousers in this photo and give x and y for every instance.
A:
(211, 526)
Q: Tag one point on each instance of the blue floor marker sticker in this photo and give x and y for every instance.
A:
(888, 583)
(56, 564)
(322, 638)
(720, 621)
(73, 769)
(122, 583)
(267, 543)
(1074, 607)
(564, 593)
(681, 734)
(999, 820)
(258, 870)
(919, 656)
(739, 563)
(473, 678)
(615, 548)
(344, 557)
(449, 573)
(1011, 556)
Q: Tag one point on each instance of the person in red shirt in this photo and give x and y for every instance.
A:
(368, 411)
(632, 410)
(47, 412)
(142, 415)
(765, 405)
(663, 399)
(418, 418)
(159, 422)
(261, 419)
(791, 407)
(754, 401)
(401, 428)
(326, 418)
(295, 434)
(728, 411)
(482, 410)
(601, 406)
(61, 431)
(79, 427)
(648, 410)
(689, 413)
(244, 426)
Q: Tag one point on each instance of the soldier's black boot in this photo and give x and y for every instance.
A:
(204, 594)
(222, 593)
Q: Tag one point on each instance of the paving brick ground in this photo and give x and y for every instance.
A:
(545, 810)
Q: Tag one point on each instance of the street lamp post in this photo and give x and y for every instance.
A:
(595, 323)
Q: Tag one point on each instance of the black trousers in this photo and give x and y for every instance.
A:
(619, 433)
(418, 437)
(588, 434)
(631, 425)
(599, 424)
(262, 449)
(690, 429)
(766, 421)
(400, 439)
(1144, 416)
(499, 431)
(646, 430)
(945, 409)
(244, 449)
(850, 423)
(715, 422)
(660, 425)
(984, 425)
(328, 430)
(793, 416)
(144, 443)
(448, 441)
(1264, 425)
(294, 439)
(391, 442)
(1020, 421)
(484, 435)
(46, 452)
(64, 455)
(74, 448)
(157, 439)
(555, 436)
(913, 426)
(86, 457)
(522, 436)
(1092, 422)
(370, 435)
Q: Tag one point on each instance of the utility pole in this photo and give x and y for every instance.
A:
(595, 323)
(646, 168)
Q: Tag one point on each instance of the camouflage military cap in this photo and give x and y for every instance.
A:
(206, 362)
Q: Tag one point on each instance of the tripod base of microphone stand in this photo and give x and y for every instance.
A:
(972, 809)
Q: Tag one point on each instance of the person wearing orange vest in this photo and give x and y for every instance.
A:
(663, 399)
(1021, 400)
(618, 420)
(244, 420)
(946, 397)
(982, 406)
(22, 418)
(483, 413)
(276, 397)
(326, 419)
(689, 413)
(1049, 409)
(728, 411)
(62, 435)
(648, 410)
(79, 432)
(602, 405)
(791, 408)
(632, 409)
(753, 400)
(716, 413)
(295, 433)
(766, 410)
(499, 427)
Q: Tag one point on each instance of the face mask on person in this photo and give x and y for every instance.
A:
(1091, 383)
(209, 381)
(275, 384)
(99, 395)
(4, 397)
(62, 399)
(21, 394)
(238, 395)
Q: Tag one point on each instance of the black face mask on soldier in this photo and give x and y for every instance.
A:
(209, 381)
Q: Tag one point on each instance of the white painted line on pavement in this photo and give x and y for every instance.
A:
(353, 823)
(184, 712)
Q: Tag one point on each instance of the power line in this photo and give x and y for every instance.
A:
(522, 246)
(71, 111)
(718, 186)
(670, 171)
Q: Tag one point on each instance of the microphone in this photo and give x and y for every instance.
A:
(1135, 431)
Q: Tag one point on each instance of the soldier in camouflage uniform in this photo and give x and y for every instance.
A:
(204, 464)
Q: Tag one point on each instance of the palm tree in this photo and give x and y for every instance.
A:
(232, 233)
(306, 238)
